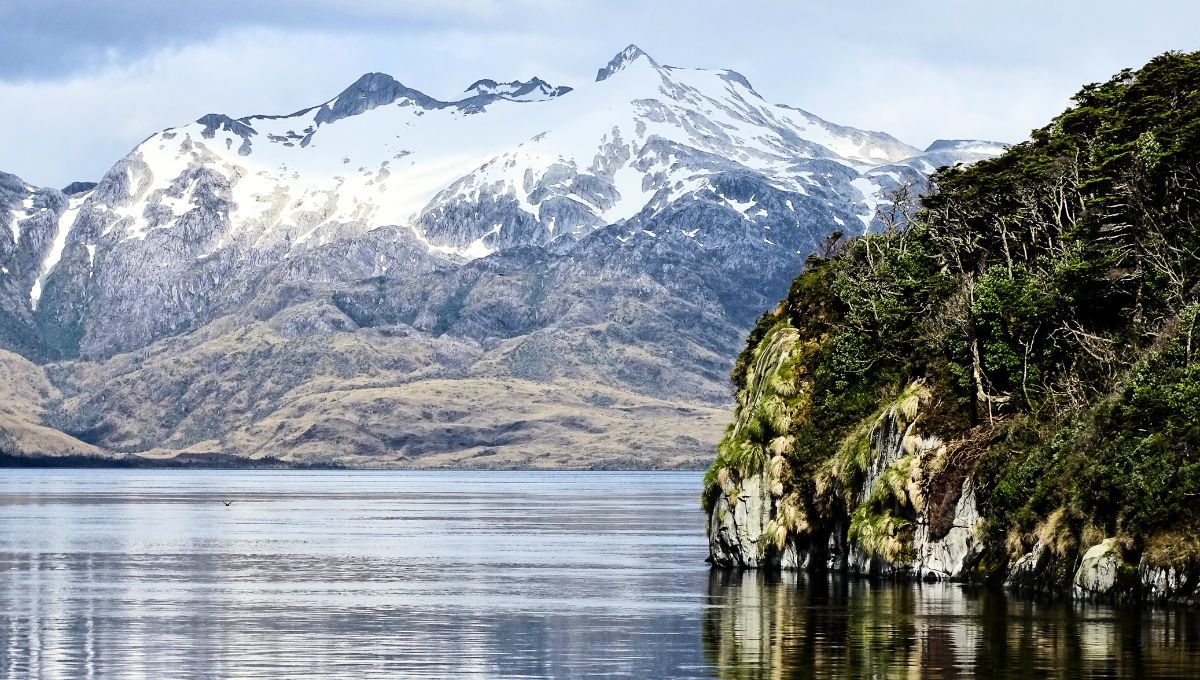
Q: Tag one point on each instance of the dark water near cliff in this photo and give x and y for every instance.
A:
(381, 574)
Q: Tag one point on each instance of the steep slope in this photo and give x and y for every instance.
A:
(31, 248)
(1006, 390)
(613, 235)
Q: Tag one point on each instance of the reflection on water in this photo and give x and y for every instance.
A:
(796, 626)
(373, 574)
(399, 574)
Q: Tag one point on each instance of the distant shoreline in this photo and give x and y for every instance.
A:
(227, 462)
(207, 462)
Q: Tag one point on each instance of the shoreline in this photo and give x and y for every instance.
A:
(228, 462)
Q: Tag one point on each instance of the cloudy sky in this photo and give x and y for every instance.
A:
(82, 82)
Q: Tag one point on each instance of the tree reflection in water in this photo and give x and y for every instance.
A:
(760, 625)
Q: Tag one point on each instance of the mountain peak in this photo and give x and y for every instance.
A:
(369, 91)
(624, 58)
(372, 82)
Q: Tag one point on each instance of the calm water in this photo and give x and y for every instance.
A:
(398, 574)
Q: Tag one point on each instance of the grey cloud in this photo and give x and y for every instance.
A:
(105, 73)
(46, 40)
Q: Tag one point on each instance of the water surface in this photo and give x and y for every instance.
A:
(482, 574)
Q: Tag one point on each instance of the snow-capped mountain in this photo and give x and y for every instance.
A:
(381, 153)
(653, 183)
(507, 165)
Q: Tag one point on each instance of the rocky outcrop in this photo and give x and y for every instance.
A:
(1100, 569)
(1104, 571)
(1041, 570)
(941, 541)
(738, 524)
(746, 528)
(534, 89)
(1169, 584)
(741, 535)
(950, 555)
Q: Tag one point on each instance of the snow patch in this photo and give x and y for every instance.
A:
(478, 248)
(870, 199)
(743, 208)
(628, 182)
(26, 208)
(65, 221)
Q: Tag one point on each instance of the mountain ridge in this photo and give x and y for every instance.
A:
(654, 201)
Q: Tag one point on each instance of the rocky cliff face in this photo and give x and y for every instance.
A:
(886, 495)
(752, 525)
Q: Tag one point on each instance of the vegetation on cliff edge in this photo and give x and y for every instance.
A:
(1045, 302)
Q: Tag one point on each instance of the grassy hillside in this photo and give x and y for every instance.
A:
(1043, 304)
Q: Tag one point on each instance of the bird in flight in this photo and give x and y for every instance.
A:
(227, 503)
